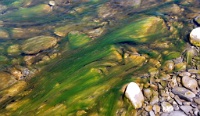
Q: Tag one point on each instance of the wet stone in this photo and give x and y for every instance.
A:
(186, 109)
(37, 44)
(183, 93)
(156, 108)
(6, 80)
(149, 108)
(184, 74)
(189, 83)
(178, 100)
(167, 107)
(177, 113)
(155, 98)
(134, 94)
(151, 113)
(197, 100)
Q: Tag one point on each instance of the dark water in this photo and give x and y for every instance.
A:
(88, 76)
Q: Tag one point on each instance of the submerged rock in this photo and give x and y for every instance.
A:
(78, 39)
(134, 3)
(14, 49)
(142, 31)
(6, 80)
(37, 44)
(134, 94)
(3, 34)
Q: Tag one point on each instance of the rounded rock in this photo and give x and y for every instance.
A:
(195, 37)
(134, 94)
(37, 44)
(189, 83)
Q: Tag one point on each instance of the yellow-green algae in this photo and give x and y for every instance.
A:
(77, 85)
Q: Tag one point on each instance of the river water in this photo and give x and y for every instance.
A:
(75, 57)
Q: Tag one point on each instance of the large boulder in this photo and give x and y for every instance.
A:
(37, 44)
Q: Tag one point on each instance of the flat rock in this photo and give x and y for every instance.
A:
(197, 100)
(186, 109)
(6, 80)
(183, 93)
(134, 94)
(177, 113)
(167, 107)
(37, 44)
(135, 3)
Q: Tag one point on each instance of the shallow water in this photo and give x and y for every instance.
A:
(88, 77)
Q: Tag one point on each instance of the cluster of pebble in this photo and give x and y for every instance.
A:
(173, 94)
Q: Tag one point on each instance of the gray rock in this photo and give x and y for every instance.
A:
(197, 100)
(184, 74)
(189, 83)
(151, 113)
(177, 113)
(186, 109)
(37, 44)
(167, 107)
(183, 93)
(178, 100)
(135, 3)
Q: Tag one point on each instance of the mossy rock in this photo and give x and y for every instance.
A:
(142, 31)
(78, 39)
(6, 80)
(37, 44)
(14, 49)
(172, 55)
(30, 13)
(3, 59)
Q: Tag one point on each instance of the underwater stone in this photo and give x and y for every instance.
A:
(78, 39)
(6, 80)
(134, 94)
(134, 3)
(3, 34)
(195, 37)
(14, 49)
(37, 44)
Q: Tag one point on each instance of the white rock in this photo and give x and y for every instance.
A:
(52, 3)
(195, 36)
(134, 94)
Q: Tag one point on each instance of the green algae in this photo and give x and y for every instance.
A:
(77, 39)
(76, 83)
